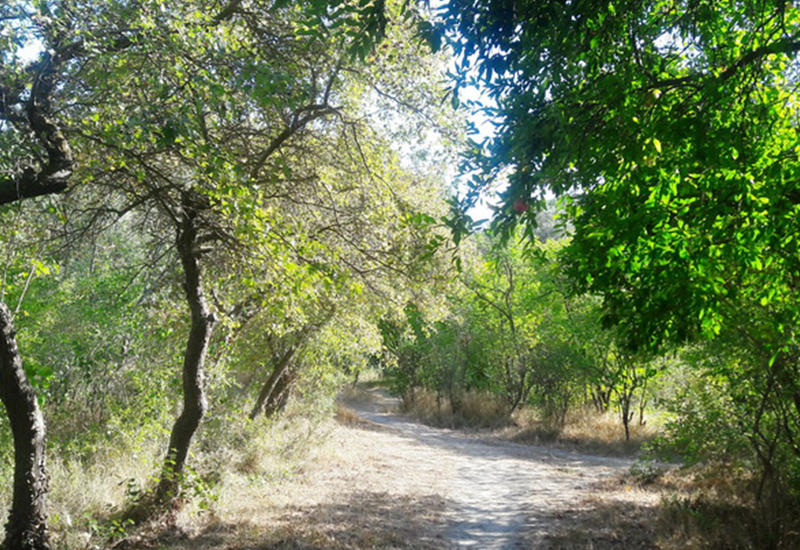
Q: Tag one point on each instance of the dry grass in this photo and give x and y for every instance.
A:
(343, 493)
(475, 410)
(83, 489)
(303, 484)
(346, 416)
(670, 508)
(713, 507)
(584, 430)
(695, 508)
(618, 515)
(355, 396)
(230, 459)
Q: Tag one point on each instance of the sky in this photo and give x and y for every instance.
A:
(472, 98)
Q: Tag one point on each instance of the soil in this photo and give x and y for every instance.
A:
(503, 495)
(388, 482)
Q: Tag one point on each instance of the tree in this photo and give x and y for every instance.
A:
(671, 129)
(201, 112)
(664, 121)
(253, 146)
(26, 527)
(499, 287)
(38, 162)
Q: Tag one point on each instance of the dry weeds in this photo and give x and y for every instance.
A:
(347, 493)
(713, 506)
(403, 486)
(584, 431)
(360, 485)
(618, 515)
(475, 410)
(353, 484)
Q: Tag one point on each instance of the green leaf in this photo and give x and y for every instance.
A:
(657, 144)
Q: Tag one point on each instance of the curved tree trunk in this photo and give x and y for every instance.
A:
(194, 399)
(270, 387)
(26, 528)
(277, 400)
(275, 390)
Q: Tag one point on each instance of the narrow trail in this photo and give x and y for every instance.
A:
(382, 481)
(498, 494)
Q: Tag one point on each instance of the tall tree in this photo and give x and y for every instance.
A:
(671, 126)
(249, 141)
(671, 129)
(37, 161)
(217, 118)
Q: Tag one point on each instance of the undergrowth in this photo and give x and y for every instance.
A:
(93, 493)
(473, 410)
(583, 429)
(712, 506)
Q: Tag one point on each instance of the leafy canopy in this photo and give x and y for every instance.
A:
(671, 128)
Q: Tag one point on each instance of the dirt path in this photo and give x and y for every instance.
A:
(498, 495)
(382, 481)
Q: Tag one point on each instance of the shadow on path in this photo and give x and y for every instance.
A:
(359, 521)
(501, 495)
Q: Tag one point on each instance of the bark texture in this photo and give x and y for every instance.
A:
(279, 397)
(194, 399)
(26, 528)
(272, 384)
(29, 106)
(53, 174)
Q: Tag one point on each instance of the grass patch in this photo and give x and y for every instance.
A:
(358, 395)
(90, 492)
(474, 410)
(346, 416)
(713, 506)
(584, 430)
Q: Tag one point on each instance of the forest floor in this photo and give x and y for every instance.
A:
(385, 481)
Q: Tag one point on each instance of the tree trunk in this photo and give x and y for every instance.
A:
(625, 397)
(281, 379)
(280, 395)
(601, 397)
(194, 399)
(642, 402)
(271, 385)
(26, 528)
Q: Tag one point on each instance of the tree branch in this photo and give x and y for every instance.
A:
(299, 121)
(54, 175)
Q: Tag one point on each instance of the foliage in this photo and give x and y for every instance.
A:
(670, 128)
(666, 121)
(514, 331)
(703, 426)
(307, 143)
(257, 121)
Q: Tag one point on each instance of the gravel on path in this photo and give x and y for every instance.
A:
(499, 495)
